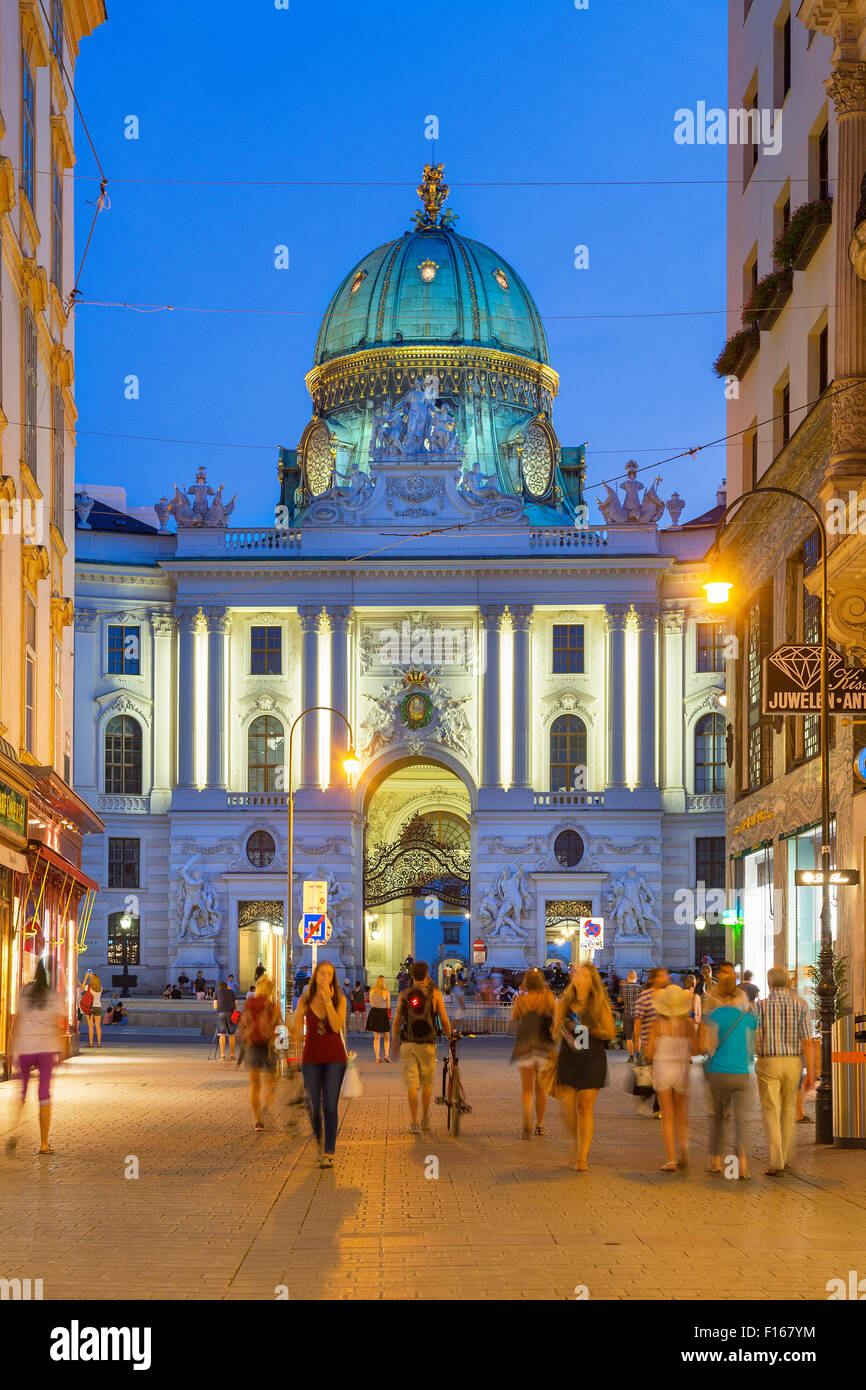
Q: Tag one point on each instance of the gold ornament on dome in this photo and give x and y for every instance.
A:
(427, 270)
(432, 190)
(501, 278)
(358, 282)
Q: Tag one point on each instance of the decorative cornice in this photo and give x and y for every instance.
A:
(217, 620)
(62, 613)
(492, 614)
(187, 619)
(521, 617)
(308, 618)
(339, 617)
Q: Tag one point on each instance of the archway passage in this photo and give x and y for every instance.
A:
(416, 870)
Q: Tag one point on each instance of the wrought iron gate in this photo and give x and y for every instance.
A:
(416, 865)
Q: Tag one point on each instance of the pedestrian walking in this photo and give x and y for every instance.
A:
(644, 1012)
(727, 1038)
(414, 1035)
(259, 1022)
(379, 1018)
(628, 996)
(583, 1021)
(532, 1015)
(226, 1005)
(90, 1004)
(812, 1056)
(359, 1006)
(749, 987)
(38, 1030)
(783, 1046)
(320, 1020)
(670, 1047)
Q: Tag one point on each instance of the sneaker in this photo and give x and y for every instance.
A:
(258, 1126)
(327, 1161)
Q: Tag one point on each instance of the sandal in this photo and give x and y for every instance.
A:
(539, 1129)
(258, 1126)
(668, 1168)
(47, 1150)
(714, 1165)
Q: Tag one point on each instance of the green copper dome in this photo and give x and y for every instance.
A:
(432, 286)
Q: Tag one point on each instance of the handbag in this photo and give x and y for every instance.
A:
(352, 1086)
(547, 1073)
(236, 1016)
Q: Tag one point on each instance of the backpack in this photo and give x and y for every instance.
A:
(262, 1028)
(86, 1002)
(419, 1017)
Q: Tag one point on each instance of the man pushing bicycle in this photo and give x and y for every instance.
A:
(419, 1019)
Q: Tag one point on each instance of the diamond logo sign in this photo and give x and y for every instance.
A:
(792, 682)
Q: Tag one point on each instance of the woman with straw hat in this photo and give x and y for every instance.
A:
(672, 1043)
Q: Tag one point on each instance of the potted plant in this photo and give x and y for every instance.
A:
(797, 244)
(769, 298)
(738, 353)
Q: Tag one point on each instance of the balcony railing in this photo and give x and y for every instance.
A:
(547, 799)
(568, 538)
(263, 538)
(248, 801)
(107, 801)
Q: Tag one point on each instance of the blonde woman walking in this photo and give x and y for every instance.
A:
(532, 1016)
(584, 1022)
(379, 1018)
(259, 1022)
(672, 1043)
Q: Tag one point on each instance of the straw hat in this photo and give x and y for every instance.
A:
(673, 1002)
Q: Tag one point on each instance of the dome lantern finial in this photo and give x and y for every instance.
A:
(432, 190)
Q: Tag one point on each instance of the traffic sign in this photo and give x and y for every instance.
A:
(591, 933)
(860, 764)
(837, 878)
(792, 681)
(315, 895)
(479, 951)
(315, 930)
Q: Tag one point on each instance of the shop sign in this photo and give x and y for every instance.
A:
(13, 811)
(792, 682)
(837, 878)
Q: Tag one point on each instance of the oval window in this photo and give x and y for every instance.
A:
(537, 460)
(568, 849)
(261, 849)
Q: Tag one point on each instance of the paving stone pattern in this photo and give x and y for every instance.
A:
(221, 1212)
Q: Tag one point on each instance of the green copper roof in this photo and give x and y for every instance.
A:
(471, 295)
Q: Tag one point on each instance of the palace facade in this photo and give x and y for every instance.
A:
(533, 699)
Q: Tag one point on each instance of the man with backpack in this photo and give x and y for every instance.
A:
(418, 1020)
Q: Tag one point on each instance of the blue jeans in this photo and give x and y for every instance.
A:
(322, 1081)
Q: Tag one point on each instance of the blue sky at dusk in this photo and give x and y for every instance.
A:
(306, 103)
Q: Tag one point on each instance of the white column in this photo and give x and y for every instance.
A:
(616, 616)
(521, 622)
(84, 747)
(646, 616)
(309, 727)
(187, 621)
(217, 638)
(672, 701)
(491, 777)
(163, 707)
(339, 620)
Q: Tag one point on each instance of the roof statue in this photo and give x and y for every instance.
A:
(432, 190)
(199, 511)
(418, 427)
(632, 509)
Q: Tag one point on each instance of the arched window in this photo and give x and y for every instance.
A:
(265, 742)
(568, 849)
(450, 829)
(123, 755)
(710, 761)
(124, 939)
(567, 754)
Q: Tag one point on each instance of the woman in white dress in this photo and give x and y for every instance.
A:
(673, 1041)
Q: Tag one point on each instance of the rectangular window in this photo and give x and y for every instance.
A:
(710, 861)
(451, 936)
(759, 730)
(824, 164)
(29, 674)
(266, 651)
(753, 122)
(28, 129)
(57, 228)
(711, 647)
(786, 57)
(823, 360)
(124, 862)
(58, 703)
(124, 651)
(30, 391)
(124, 942)
(57, 30)
(58, 460)
(754, 459)
(811, 635)
(567, 649)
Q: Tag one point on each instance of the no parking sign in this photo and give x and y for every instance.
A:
(591, 933)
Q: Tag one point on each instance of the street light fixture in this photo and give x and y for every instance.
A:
(718, 589)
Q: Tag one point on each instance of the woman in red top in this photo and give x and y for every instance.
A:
(319, 1022)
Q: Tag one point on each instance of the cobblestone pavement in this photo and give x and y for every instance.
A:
(218, 1211)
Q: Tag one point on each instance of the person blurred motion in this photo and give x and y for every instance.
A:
(727, 1038)
(671, 1044)
(225, 1004)
(38, 1030)
(259, 1022)
(584, 1022)
(532, 1015)
(379, 1020)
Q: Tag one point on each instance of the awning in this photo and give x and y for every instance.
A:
(57, 860)
(13, 860)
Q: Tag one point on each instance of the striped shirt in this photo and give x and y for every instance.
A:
(645, 1010)
(629, 990)
(783, 1024)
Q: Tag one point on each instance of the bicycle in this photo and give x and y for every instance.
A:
(453, 1095)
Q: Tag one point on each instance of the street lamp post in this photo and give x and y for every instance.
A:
(351, 763)
(826, 988)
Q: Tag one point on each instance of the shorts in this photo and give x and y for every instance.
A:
(418, 1061)
(225, 1025)
(259, 1057)
(44, 1064)
(96, 1012)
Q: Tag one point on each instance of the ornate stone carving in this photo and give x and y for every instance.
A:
(646, 614)
(447, 723)
(84, 505)
(35, 565)
(849, 416)
(308, 618)
(616, 616)
(197, 913)
(199, 511)
(417, 427)
(162, 624)
(632, 509)
(218, 620)
(672, 620)
(187, 619)
(504, 906)
(521, 617)
(846, 87)
(631, 905)
(339, 504)
(414, 491)
(338, 617)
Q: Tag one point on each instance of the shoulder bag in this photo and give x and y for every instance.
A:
(352, 1086)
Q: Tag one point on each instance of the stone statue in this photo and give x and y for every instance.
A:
(337, 895)
(199, 511)
(505, 904)
(453, 729)
(416, 419)
(631, 905)
(84, 505)
(442, 436)
(377, 726)
(163, 512)
(416, 427)
(196, 905)
(219, 512)
(675, 508)
(631, 508)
